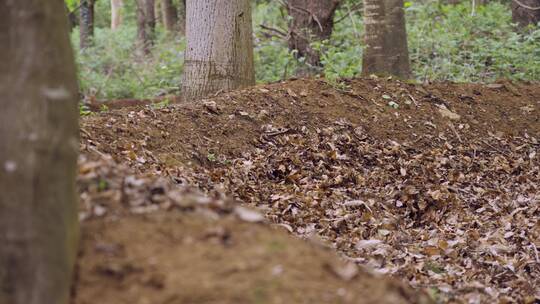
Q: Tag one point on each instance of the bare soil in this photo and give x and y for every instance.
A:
(436, 185)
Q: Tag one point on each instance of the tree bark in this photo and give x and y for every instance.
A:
(386, 51)
(526, 12)
(145, 25)
(219, 52)
(117, 7)
(311, 21)
(396, 39)
(151, 17)
(86, 22)
(38, 153)
(170, 18)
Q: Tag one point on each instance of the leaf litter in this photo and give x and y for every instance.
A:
(442, 193)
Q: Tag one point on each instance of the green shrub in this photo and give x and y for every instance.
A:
(113, 68)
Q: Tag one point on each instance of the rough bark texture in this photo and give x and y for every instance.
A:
(86, 22)
(38, 153)
(396, 39)
(526, 13)
(374, 57)
(219, 53)
(117, 7)
(312, 20)
(146, 23)
(386, 51)
(170, 19)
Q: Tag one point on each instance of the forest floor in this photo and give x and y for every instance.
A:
(369, 191)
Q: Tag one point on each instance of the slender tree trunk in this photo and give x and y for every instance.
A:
(86, 23)
(219, 52)
(117, 7)
(386, 51)
(145, 24)
(182, 17)
(151, 17)
(170, 18)
(311, 21)
(38, 153)
(526, 12)
(158, 12)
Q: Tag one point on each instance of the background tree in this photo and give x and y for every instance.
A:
(146, 24)
(311, 21)
(86, 22)
(116, 13)
(182, 16)
(38, 153)
(525, 12)
(386, 51)
(169, 13)
(219, 52)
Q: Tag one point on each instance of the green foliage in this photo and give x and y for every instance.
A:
(445, 42)
(113, 68)
(72, 4)
(83, 110)
(448, 43)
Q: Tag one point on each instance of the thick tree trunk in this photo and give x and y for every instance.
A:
(219, 52)
(86, 22)
(38, 153)
(311, 21)
(386, 51)
(170, 18)
(117, 7)
(374, 57)
(526, 12)
(396, 39)
(145, 24)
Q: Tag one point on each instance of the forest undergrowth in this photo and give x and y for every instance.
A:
(481, 47)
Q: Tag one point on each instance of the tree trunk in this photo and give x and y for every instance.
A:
(182, 17)
(396, 39)
(38, 153)
(170, 18)
(145, 25)
(386, 51)
(526, 12)
(117, 7)
(158, 12)
(311, 21)
(219, 52)
(86, 23)
(151, 17)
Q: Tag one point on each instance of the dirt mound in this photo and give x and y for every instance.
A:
(145, 240)
(230, 123)
(437, 185)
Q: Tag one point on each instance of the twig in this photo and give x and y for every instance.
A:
(455, 132)
(272, 29)
(301, 9)
(352, 10)
(526, 6)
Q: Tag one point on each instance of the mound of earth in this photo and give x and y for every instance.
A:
(437, 185)
(146, 240)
